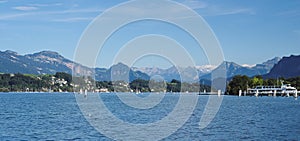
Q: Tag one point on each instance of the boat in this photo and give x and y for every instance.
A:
(137, 91)
(283, 90)
(85, 93)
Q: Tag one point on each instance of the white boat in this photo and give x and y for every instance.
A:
(137, 91)
(283, 90)
(85, 93)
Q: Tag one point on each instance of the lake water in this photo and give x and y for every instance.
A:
(43, 116)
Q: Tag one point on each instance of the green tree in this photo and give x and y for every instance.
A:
(237, 83)
(174, 86)
(256, 81)
(140, 84)
(271, 82)
(62, 75)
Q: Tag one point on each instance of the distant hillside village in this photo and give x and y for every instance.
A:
(63, 82)
(35, 83)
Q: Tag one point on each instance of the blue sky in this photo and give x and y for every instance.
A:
(249, 32)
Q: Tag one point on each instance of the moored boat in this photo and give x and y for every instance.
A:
(283, 90)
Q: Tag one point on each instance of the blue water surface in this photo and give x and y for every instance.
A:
(56, 116)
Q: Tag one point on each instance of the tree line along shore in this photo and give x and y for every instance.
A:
(64, 82)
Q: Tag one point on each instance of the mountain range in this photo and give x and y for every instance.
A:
(49, 62)
(45, 62)
(173, 72)
(233, 69)
(287, 67)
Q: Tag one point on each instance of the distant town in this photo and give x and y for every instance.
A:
(64, 82)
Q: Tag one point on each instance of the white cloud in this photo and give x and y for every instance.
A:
(45, 5)
(11, 16)
(25, 8)
(87, 10)
(75, 19)
(46, 13)
(195, 4)
(3, 1)
(215, 10)
(236, 11)
(31, 7)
